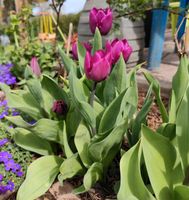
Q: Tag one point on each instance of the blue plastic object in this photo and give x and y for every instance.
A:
(159, 22)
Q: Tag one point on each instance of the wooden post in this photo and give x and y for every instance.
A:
(159, 22)
(19, 4)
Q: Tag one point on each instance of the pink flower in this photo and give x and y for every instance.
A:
(87, 46)
(35, 66)
(116, 47)
(101, 18)
(98, 66)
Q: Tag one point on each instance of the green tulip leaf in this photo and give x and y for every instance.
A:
(110, 115)
(179, 86)
(71, 167)
(82, 140)
(68, 62)
(31, 142)
(22, 101)
(73, 119)
(132, 185)
(81, 55)
(94, 174)
(40, 176)
(54, 89)
(104, 149)
(181, 192)
(114, 85)
(48, 129)
(67, 149)
(141, 118)
(97, 43)
(160, 157)
(19, 122)
(182, 128)
(35, 89)
(157, 92)
(80, 99)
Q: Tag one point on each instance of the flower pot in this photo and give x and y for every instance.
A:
(132, 31)
(47, 37)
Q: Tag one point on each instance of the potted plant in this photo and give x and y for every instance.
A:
(128, 17)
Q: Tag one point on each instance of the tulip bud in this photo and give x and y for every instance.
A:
(98, 66)
(87, 46)
(60, 107)
(116, 47)
(35, 66)
(101, 18)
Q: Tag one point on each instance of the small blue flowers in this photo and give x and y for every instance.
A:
(3, 142)
(5, 110)
(6, 75)
(11, 166)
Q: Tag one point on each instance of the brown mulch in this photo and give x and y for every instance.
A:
(154, 119)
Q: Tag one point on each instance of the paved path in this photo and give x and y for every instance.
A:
(166, 72)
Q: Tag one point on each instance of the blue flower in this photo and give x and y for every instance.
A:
(1, 177)
(10, 164)
(3, 142)
(5, 156)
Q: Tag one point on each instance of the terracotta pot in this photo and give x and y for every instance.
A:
(47, 37)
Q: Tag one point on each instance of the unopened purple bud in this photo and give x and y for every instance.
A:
(60, 107)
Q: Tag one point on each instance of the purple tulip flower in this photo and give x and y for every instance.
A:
(116, 47)
(98, 66)
(101, 18)
(35, 66)
(87, 46)
(60, 107)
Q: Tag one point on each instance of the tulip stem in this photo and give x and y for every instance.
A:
(92, 96)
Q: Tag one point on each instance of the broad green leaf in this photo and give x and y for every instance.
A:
(73, 119)
(182, 128)
(157, 92)
(79, 190)
(71, 167)
(110, 115)
(54, 89)
(48, 129)
(168, 130)
(179, 86)
(181, 192)
(132, 185)
(113, 84)
(19, 122)
(35, 89)
(69, 64)
(140, 118)
(32, 142)
(81, 55)
(82, 140)
(160, 157)
(22, 101)
(97, 43)
(120, 71)
(40, 176)
(80, 99)
(67, 149)
(94, 174)
(104, 149)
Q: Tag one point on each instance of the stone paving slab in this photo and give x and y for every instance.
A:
(164, 74)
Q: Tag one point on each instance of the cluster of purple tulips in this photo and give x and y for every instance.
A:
(99, 65)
